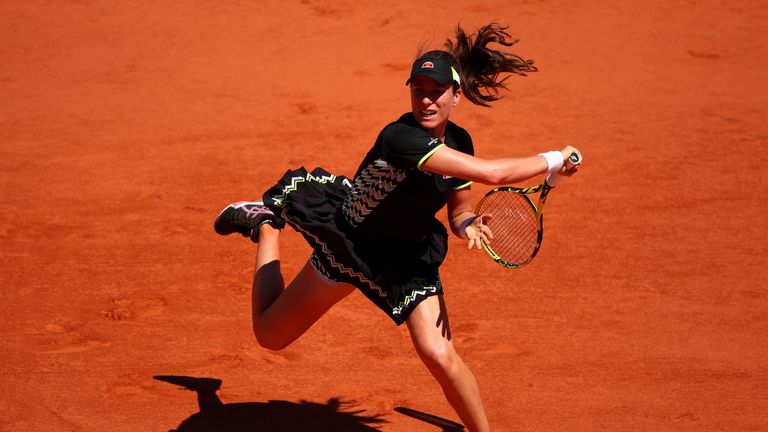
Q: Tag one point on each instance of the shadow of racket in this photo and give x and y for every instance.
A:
(447, 425)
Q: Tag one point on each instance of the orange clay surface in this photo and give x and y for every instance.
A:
(126, 126)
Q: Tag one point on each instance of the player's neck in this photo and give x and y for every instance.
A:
(438, 131)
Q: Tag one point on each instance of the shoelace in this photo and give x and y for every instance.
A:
(256, 210)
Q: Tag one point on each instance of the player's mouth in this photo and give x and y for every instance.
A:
(428, 114)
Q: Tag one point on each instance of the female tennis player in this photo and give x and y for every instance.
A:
(377, 232)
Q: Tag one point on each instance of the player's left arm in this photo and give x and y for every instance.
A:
(459, 208)
(463, 220)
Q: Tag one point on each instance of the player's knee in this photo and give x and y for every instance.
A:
(269, 339)
(440, 359)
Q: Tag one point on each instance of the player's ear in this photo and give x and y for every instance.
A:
(456, 95)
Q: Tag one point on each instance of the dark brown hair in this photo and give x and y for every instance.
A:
(481, 67)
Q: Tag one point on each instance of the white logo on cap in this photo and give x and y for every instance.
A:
(427, 65)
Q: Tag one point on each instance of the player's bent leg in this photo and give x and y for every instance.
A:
(431, 336)
(307, 298)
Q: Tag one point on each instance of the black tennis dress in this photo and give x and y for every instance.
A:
(377, 231)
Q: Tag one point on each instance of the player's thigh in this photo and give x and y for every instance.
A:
(430, 330)
(307, 298)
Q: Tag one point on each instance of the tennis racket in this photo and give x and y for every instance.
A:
(517, 224)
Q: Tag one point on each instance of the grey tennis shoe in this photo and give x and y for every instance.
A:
(245, 217)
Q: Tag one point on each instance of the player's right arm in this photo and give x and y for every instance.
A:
(450, 162)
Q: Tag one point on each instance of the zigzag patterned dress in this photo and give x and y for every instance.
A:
(377, 231)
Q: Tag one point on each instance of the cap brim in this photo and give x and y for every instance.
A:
(438, 77)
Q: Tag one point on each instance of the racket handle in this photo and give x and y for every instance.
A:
(555, 178)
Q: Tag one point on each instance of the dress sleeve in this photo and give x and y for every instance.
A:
(407, 147)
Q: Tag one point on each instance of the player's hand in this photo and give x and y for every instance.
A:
(569, 168)
(478, 230)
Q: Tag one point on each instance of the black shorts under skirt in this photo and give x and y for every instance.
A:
(396, 279)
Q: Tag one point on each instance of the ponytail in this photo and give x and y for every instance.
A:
(480, 67)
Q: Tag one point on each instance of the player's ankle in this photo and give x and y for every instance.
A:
(267, 230)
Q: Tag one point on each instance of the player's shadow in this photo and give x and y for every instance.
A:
(215, 416)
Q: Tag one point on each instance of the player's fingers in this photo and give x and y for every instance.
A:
(470, 243)
(484, 218)
(570, 171)
(569, 151)
(479, 242)
(475, 239)
(486, 231)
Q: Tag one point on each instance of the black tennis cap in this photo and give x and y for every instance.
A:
(436, 65)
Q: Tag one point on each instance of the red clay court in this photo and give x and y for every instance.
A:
(126, 127)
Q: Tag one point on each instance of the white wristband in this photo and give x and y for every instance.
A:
(554, 161)
(464, 224)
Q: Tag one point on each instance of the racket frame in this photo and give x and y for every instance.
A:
(544, 188)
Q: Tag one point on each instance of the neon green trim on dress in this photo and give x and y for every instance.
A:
(431, 152)
(462, 186)
(414, 295)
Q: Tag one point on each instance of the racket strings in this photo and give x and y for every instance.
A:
(514, 226)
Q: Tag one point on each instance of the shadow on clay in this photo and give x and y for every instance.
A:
(335, 415)
(275, 415)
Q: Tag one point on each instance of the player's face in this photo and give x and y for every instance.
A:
(432, 103)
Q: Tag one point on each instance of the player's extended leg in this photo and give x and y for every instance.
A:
(431, 335)
(281, 315)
